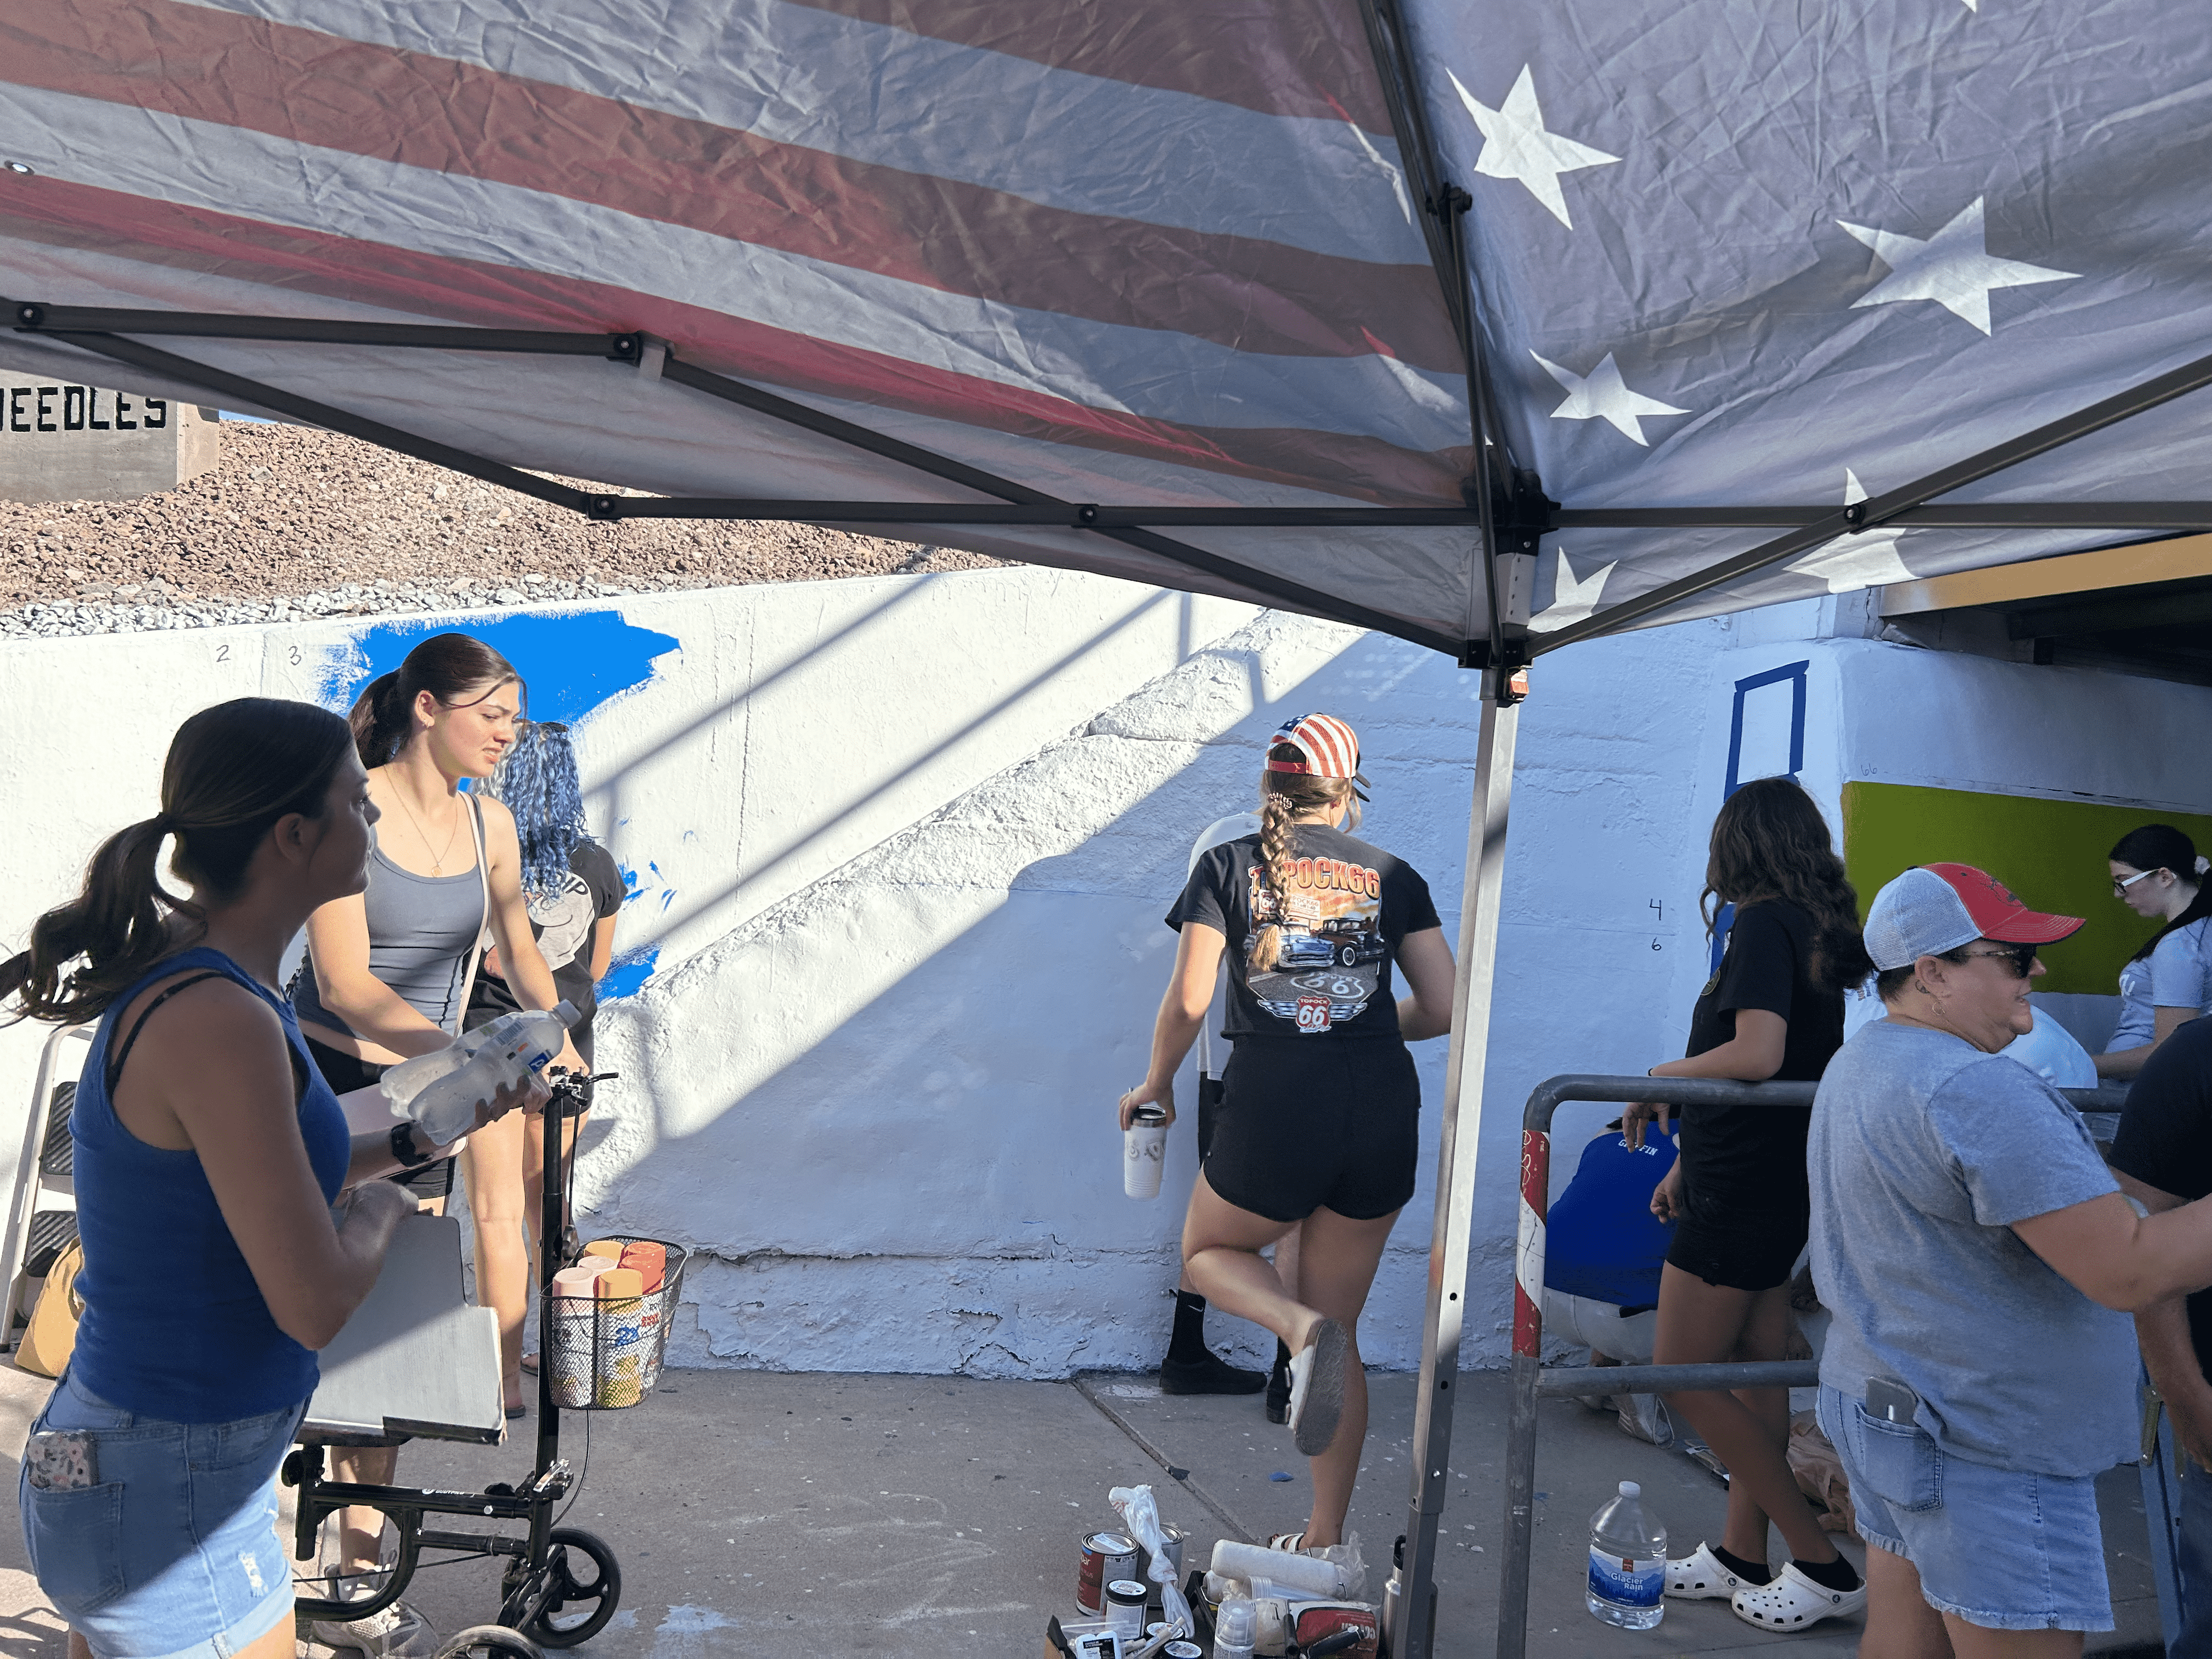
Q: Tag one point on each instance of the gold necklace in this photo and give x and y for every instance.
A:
(437, 859)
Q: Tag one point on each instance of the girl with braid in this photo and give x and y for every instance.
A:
(1319, 1122)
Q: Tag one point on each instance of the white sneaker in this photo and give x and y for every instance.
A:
(1644, 1416)
(1793, 1602)
(397, 1633)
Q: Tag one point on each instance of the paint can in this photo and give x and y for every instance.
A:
(1105, 1557)
(1182, 1651)
(1125, 1610)
(1172, 1536)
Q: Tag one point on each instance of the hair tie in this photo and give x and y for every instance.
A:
(164, 825)
(2203, 864)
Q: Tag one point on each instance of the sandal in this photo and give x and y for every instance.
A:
(1292, 1542)
(1701, 1577)
(1317, 1387)
(1793, 1602)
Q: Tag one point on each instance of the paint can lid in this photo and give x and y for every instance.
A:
(1127, 1592)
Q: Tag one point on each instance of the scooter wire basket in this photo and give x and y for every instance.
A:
(605, 1353)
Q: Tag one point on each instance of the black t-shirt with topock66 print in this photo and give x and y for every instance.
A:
(1349, 907)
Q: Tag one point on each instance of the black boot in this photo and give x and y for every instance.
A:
(1193, 1368)
(1278, 1385)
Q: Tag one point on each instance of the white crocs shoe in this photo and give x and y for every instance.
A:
(1701, 1577)
(1793, 1602)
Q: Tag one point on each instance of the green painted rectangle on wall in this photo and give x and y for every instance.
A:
(2051, 853)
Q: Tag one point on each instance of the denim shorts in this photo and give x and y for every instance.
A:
(174, 1552)
(2005, 1549)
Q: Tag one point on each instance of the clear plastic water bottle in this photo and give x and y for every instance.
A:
(1236, 1627)
(439, 1090)
(1627, 1562)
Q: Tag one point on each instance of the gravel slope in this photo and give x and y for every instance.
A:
(293, 513)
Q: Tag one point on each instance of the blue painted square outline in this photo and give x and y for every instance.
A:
(1724, 918)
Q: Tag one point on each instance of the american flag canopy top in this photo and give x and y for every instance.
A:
(1172, 253)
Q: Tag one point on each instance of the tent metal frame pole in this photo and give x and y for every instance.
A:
(1881, 509)
(602, 507)
(1412, 1635)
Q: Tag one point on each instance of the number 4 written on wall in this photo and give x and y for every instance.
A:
(1655, 905)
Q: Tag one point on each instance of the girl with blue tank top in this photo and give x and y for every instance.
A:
(2156, 874)
(230, 1225)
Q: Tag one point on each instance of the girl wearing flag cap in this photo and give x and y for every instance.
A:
(1320, 1116)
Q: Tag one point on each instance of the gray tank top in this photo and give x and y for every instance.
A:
(423, 931)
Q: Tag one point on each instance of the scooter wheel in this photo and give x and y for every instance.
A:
(586, 1585)
(491, 1642)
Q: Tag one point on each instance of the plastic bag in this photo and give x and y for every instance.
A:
(1819, 1473)
(1141, 1514)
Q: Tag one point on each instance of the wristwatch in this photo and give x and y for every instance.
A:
(406, 1149)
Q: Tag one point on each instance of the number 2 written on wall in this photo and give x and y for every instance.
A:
(76, 409)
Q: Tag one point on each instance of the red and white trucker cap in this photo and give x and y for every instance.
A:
(1329, 747)
(1934, 908)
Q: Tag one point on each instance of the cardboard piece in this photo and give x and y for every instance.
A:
(415, 1359)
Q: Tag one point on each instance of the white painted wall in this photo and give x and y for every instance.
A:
(915, 837)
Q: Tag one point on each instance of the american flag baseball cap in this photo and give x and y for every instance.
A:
(1329, 747)
(1934, 908)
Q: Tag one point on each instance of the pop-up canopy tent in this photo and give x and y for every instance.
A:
(1494, 327)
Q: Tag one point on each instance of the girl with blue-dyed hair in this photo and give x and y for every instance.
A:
(574, 888)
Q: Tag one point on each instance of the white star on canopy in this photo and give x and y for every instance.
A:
(1516, 146)
(1954, 267)
(1604, 395)
(1866, 558)
(1572, 601)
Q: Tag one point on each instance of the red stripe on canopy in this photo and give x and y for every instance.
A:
(1300, 57)
(466, 291)
(448, 117)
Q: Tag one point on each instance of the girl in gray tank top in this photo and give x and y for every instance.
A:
(388, 974)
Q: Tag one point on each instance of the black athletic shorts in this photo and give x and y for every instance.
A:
(1742, 1227)
(346, 1072)
(1306, 1124)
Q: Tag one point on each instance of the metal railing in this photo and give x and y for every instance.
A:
(1532, 1382)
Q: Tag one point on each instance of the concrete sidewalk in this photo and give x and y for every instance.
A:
(773, 1515)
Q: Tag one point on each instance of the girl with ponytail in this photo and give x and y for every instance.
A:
(390, 967)
(208, 1153)
(1319, 1124)
(2157, 874)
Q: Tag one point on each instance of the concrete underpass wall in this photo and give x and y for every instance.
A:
(898, 849)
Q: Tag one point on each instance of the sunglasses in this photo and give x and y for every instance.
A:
(2121, 884)
(2021, 957)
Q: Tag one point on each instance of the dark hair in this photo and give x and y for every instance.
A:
(447, 666)
(1770, 841)
(233, 771)
(537, 781)
(1283, 796)
(2162, 846)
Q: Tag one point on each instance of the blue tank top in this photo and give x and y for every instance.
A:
(174, 1325)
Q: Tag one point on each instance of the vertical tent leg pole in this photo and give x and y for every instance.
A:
(1412, 1636)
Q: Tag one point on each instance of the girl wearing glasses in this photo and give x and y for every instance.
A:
(1772, 1010)
(2157, 874)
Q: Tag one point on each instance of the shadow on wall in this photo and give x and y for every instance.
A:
(883, 1108)
(580, 664)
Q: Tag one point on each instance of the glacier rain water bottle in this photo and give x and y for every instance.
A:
(1627, 1562)
(439, 1090)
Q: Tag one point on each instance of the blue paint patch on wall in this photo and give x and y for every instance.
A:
(573, 662)
(628, 973)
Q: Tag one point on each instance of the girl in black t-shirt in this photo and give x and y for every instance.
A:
(1319, 1117)
(1772, 1010)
